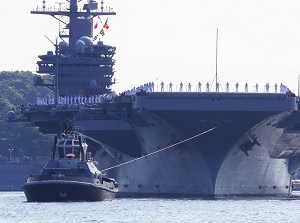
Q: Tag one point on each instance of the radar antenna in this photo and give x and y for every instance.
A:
(44, 5)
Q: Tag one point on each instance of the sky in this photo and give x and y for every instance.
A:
(174, 40)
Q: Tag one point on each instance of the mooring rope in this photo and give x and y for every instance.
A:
(175, 144)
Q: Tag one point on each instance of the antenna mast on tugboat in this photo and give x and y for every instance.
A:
(56, 73)
(298, 85)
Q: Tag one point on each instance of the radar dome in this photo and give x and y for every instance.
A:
(79, 45)
(93, 84)
(87, 40)
(62, 46)
(10, 115)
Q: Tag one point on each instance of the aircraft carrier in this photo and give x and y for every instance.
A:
(162, 144)
(15, 171)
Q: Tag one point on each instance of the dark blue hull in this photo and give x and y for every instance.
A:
(58, 191)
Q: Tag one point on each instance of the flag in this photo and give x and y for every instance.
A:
(96, 25)
(102, 32)
(99, 18)
(95, 37)
(105, 24)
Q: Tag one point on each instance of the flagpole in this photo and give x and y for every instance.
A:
(216, 75)
(217, 56)
(56, 74)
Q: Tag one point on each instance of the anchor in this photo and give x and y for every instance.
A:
(245, 147)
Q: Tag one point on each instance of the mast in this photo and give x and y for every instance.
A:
(298, 85)
(217, 57)
(78, 18)
(216, 78)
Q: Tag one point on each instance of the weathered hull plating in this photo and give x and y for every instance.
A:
(214, 164)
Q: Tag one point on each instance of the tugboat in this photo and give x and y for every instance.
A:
(70, 174)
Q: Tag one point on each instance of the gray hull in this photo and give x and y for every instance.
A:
(222, 162)
(14, 175)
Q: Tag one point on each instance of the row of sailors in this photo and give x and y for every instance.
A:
(149, 87)
(92, 99)
(283, 88)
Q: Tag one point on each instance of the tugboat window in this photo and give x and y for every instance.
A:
(69, 142)
(76, 152)
(61, 152)
(69, 150)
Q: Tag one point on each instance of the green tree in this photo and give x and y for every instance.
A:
(17, 88)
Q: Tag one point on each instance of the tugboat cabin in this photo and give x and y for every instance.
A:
(69, 148)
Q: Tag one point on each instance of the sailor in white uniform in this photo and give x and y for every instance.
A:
(170, 86)
(189, 89)
(237, 87)
(207, 87)
(256, 88)
(267, 87)
(162, 86)
(227, 87)
(199, 86)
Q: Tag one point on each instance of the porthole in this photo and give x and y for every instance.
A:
(227, 122)
(203, 121)
(215, 124)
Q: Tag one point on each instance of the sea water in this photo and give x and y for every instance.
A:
(15, 208)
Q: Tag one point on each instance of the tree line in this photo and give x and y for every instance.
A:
(19, 139)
